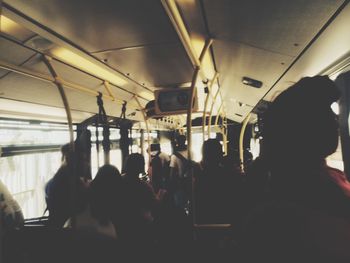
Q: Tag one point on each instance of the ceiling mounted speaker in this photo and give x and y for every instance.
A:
(173, 101)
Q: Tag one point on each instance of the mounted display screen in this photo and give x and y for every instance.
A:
(173, 101)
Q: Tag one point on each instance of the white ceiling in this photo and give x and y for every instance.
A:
(257, 39)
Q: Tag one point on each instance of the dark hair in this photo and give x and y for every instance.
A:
(135, 164)
(103, 192)
(300, 125)
(212, 152)
(155, 147)
(180, 143)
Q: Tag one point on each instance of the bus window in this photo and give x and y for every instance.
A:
(30, 156)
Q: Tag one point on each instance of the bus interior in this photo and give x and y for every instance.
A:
(125, 74)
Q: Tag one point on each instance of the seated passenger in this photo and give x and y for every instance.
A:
(11, 212)
(308, 217)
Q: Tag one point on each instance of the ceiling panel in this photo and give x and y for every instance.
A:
(280, 26)
(235, 61)
(332, 46)
(78, 77)
(2, 74)
(157, 65)
(22, 88)
(103, 24)
(12, 53)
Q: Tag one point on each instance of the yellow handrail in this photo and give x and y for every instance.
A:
(241, 141)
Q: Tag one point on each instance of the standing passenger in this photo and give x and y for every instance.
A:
(139, 201)
(308, 219)
(179, 167)
(158, 169)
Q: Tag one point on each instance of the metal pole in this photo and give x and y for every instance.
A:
(71, 135)
(241, 141)
(144, 116)
(192, 94)
(211, 110)
(206, 104)
(64, 100)
(218, 114)
(189, 124)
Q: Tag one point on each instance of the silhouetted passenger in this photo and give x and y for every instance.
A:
(65, 193)
(179, 173)
(213, 187)
(139, 201)
(103, 203)
(300, 131)
(308, 217)
(159, 168)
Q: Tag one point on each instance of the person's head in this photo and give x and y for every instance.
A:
(135, 165)
(299, 125)
(103, 191)
(180, 142)
(212, 153)
(65, 151)
(155, 148)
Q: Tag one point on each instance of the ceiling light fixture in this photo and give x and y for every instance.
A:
(84, 64)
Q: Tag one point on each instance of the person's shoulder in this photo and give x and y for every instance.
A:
(164, 156)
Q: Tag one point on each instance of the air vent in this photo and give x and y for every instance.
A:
(252, 82)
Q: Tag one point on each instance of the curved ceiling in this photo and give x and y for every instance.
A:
(273, 41)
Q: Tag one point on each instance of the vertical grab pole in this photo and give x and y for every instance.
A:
(71, 134)
(218, 114)
(189, 113)
(189, 122)
(211, 110)
(241, 141)
(206, 104)
(224, 135)
(147, 128)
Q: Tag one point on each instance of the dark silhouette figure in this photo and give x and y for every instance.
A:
(180, 181)
(159, 168)
(306, 217)
(213, 187)
(105, 194)
(65, 194)
(139, 201)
